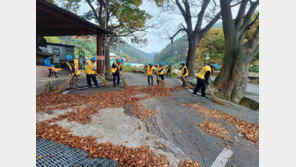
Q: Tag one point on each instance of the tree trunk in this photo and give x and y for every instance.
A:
(193, 41)
(107, 63)
(108, 74)
(233, 77)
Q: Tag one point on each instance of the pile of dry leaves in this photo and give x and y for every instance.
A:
(248, 130)
(214, 129)
(87, 105)
(188, 163)
(126, 156)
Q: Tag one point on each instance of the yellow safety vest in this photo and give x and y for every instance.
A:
(202, 72)
(89, 67)
(182, 71)
(113, 70)
(150, 70)
(169, 68)
(76, 65)
(158, 69)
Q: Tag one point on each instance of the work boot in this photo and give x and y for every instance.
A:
(194, 94)
(204, 97)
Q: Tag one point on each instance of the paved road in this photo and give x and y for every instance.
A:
(174, 125)
(252, 92)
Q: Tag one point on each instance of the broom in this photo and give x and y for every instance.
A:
(124, 82)
(188, 84)
(104, 80)
(215, 98)
(162, 81)
(64, 86)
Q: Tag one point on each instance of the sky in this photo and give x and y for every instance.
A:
(166, 24)
(154, 42)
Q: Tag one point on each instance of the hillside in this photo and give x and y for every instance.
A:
(134, 55)
(176, 51)
(88, 45)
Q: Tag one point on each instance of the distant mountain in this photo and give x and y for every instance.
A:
(153, 53)
(135, 55)
(174, 52)
(218, 25)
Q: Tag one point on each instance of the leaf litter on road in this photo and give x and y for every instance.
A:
(248, 130)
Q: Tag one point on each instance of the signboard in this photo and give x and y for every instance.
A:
(100, 58)
(56, 56)
(207, 57)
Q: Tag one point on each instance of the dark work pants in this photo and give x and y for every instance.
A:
(93, 77)
(183, 82)
(169, 73)
(200, 84)
(161, 77)
(150, 78)
(114, 78)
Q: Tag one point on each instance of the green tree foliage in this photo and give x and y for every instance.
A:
(173, 53)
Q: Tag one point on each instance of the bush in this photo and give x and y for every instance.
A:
(132, 69)
(254, 68)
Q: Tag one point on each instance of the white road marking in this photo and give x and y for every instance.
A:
(222, 158)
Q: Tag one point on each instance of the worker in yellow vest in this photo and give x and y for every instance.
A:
(203, 77)
(184, 73)
(150, 73)
(159, 71)
(74, 68)
(90, 70)
(116, 68)
(169, 70)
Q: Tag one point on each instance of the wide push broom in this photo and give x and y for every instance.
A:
(63, 87)
(107, 83)
(123, 80)
(215, 98)
(188, 84)
(162, 82)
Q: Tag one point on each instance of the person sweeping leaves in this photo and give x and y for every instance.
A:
(116, 68)
(159, 71)
(150, 72)
(73, 67)
(90, 70)
(203, 77)
(184, 73)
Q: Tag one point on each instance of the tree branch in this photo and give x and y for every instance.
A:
(248, 17)
(186, 16)
(210, 24)
(172, 37)
(240, 14)
(94, 11)
(201, 15)
(254, 41)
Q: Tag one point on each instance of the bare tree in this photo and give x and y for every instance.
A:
(239, 51)
(195, 31)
